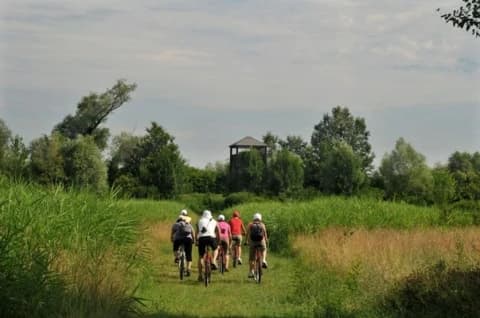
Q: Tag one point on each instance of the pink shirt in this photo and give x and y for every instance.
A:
(224, 229)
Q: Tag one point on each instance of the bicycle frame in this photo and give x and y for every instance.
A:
(181, 261)
(257, 270)
(207, 266)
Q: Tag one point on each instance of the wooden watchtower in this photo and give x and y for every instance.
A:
(246, 143)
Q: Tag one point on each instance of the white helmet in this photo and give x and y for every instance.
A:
(207, 214)
(183, 212)
(257, 216)
(221, 217)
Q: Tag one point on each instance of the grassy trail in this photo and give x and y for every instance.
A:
(229, 295)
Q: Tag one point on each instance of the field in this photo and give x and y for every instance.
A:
(72, 254)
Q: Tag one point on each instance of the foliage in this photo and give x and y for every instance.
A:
(248, 173)
(64, 254)
(46, 159)
(465, 169)
(296, 145)
(443, 186)
(15, 159)
(436, 292)
(201, 180)
(122, 148)
(83, 164)
(198, 202)
(150, 166)
(286, 172)
(271, 141)
(5, 135)
(406, 175)
(330, 136)
(465, 17)
(92, 111)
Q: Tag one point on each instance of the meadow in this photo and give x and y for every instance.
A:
(70, 253)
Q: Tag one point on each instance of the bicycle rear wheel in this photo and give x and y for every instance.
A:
(181, 264)
(221, 260)
(207, 271)
(258, 269)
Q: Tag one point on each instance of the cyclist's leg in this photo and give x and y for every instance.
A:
(201, 252)
(188, 254)
(239, 250)
(264, 254)
(251, 259)
(176, 245)
(214, 246)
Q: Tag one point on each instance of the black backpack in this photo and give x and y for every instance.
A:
(256, 232)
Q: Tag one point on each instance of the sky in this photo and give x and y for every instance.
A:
(212, 72)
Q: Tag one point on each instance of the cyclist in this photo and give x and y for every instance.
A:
(257, 238)
(207, 235)
(183, 234)
(238, 229)
(184, 215)
(225, 237)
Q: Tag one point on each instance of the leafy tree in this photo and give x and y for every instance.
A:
(84, 165)
(92, 111)
(5, 135)
(286, 171)
(406, 175)
(464, 168)
(465, 17)
(330, 136)
(157, 164)
(271, 141)
(201, 180)
(249, 174)
(15, 162)
(443, 186)
(296, 145)
(46, 159)
(342, 170)
(123, 147)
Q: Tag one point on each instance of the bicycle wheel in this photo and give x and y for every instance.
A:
(181, 264)
(207, 269)
(258, 268)
(221, 260)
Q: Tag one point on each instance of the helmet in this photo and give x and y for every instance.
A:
(207, 214)
(183, 212)
(257, 216)
(236, 213)
(221, 217)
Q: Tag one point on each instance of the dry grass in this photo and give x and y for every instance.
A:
(389, 254)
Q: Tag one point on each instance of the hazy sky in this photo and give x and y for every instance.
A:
(212, 72)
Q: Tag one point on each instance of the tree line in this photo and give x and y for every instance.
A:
(337, 160)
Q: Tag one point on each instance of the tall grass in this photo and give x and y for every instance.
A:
(64, 253)
(285, 219)
(349, 271)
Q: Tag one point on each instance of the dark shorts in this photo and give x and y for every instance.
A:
(203, 242)
(187, 243)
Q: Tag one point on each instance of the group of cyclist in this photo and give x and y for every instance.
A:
(219, 233)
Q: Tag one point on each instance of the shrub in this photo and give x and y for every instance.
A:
(436, 292)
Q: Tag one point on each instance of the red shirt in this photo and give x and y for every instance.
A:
(236, 226)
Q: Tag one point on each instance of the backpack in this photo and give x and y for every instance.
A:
(184, 229)
(256, 232)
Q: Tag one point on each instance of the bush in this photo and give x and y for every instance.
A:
(237, 198)
(436, 292)
(198, 202)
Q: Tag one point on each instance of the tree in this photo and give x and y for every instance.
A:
(15, 161)
(443, 186)
(92, 111)
(249, 174)
(465, 17)
(464, 168)
(406, 175)
(46, 159)
(286, 172)
(296, 145)
(271, 141)
(157, 165)
(331, 135)
(123, 147)
(83, 164)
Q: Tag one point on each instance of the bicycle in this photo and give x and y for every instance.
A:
(235, 247)
(257, 269)
(181, 261)
(222, 254)
(207, 266)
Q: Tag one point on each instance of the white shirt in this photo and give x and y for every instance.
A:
(209, 225)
